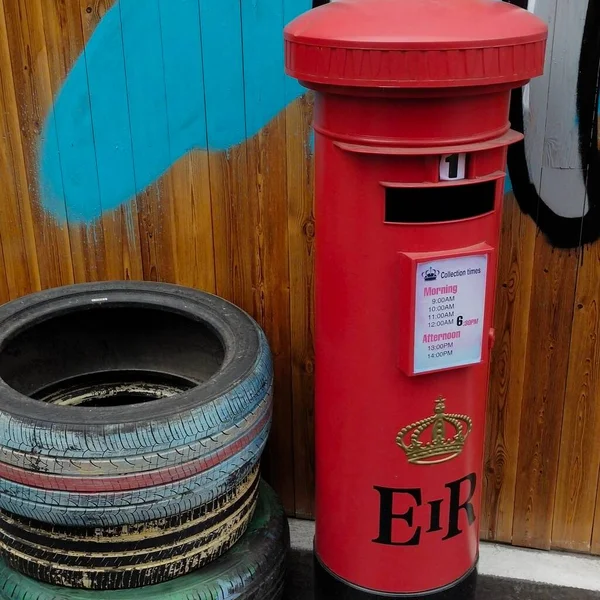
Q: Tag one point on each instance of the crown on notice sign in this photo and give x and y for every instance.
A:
(431, 274)
(424, 450)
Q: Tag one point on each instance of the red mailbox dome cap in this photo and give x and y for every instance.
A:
(415, 43)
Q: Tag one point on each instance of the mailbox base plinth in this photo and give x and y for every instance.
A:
(330, 587)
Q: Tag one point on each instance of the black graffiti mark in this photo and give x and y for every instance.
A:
(565, 232)
(588, 87)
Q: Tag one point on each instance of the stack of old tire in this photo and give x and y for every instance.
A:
(132, 421)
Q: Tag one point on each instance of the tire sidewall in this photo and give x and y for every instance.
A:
(68, 430)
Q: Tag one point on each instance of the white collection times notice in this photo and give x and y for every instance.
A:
(450, 310)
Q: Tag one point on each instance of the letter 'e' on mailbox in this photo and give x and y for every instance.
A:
(411, 138)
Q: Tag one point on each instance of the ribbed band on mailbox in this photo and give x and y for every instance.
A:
(427, 44)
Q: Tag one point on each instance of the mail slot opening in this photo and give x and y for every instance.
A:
(435, 204)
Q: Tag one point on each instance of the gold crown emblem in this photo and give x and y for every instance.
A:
(422, 451)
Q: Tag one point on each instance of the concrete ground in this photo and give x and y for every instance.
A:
(505, 573)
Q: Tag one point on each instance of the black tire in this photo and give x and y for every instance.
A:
(132, 506)
(254, 569)
(130, 556)
(200, 365)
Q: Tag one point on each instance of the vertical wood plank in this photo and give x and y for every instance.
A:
(535, 100)
(149, 129)
(550, 318)
(19, 267)
(563, 185)
(561, 139)
(301, 226)
(120, 225)
(14, 274)
(4, 291)
(596, 530)
(264, 89)
(301, 229)
(187, 183)
(579, 464)
(20, 195)
(64, 43)
(550, 322)
(232, 265)
(596, 533)
(10, 224)
(516, 256)
(234, 230)
(33, 92)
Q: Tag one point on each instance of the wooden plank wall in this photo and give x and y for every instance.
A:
(542, 459)
(160, 140)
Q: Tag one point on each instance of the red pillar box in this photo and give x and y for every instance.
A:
(412, 134)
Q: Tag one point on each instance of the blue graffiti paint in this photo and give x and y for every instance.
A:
(311, 141)
(136, 100)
